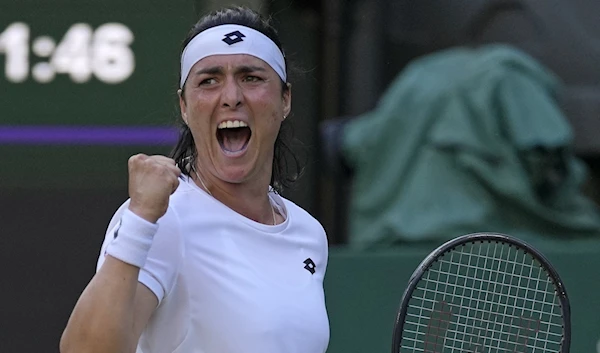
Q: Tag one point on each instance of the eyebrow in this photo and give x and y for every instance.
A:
(213, 70)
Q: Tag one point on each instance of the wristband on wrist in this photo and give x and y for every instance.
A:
(132, 239)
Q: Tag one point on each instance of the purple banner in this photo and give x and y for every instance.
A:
(87, 135)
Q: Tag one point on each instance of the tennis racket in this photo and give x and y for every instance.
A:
(484, 293)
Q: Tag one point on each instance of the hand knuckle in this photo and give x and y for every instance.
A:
(137, 158)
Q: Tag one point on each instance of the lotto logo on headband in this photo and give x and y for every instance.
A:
(249, 41)
(233, 37)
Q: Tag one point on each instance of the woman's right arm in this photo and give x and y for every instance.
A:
(115, 307)
(111, 313)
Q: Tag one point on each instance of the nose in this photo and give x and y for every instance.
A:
(231, 95)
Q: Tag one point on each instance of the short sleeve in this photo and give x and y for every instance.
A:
(165, 257)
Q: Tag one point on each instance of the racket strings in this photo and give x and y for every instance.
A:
(484, 297)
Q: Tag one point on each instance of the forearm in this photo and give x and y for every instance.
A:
(102, 320)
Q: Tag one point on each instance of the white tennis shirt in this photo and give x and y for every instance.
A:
(227, 284)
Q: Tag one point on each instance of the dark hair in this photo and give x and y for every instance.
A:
(286, 165)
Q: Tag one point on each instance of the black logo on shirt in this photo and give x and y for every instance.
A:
(233, 37)
(310, 265)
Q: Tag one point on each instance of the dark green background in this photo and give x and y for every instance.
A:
(147, 97)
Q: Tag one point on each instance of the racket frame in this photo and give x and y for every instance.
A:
(561, 291)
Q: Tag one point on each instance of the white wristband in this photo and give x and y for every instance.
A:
(132, 239)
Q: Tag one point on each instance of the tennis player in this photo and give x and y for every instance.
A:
(205, 256)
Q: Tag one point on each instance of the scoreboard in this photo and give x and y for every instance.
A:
(83, 85)
(104, 52)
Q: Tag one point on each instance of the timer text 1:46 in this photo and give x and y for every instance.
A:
(105, 53)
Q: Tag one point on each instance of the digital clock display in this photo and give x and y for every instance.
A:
(84, 84)
(104, 53)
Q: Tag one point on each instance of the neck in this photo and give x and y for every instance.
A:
(251, 200)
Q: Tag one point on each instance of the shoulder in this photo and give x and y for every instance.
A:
(186, 192)
(293, 209)
(299, 216)
(184, 188)
(165, 256)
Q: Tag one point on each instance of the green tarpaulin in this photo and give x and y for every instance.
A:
(466, 140)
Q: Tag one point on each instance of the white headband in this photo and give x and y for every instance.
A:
(231, 39)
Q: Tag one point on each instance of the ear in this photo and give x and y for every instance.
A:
(287, 100)
(182, 106)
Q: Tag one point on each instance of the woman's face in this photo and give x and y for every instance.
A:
(234, 106)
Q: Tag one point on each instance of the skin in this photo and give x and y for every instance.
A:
(114, 308)
(235, 87)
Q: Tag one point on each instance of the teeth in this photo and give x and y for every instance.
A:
(231, 124)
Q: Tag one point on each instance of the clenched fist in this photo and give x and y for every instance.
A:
(152, 179)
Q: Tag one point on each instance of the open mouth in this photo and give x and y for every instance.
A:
(233, 136)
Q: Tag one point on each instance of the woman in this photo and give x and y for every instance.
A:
(208, 257)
